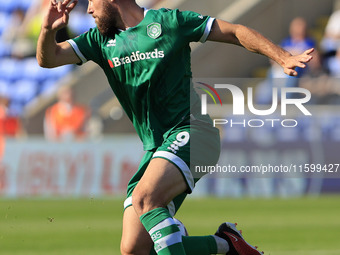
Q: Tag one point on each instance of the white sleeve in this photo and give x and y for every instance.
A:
(77, 51)
(207, 30)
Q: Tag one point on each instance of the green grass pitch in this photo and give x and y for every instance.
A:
(302, 226)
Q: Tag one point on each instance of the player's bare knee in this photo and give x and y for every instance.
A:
(141, 202)
(130, 247)
(144, 201)
(125, 249)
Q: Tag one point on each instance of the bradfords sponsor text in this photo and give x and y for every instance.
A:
(136, 56)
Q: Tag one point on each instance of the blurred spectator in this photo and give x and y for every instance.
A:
(147, 3)
(66, 120)
(297, 42)
(317, 81)
(14, 35)
(10, 126)
(24, 29)
(331, 40)
(12, 31)
(333, 64)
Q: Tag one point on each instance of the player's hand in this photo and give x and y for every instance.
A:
(297, 61)
(57, 15)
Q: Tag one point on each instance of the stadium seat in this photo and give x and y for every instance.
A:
(286, 134)
(234, 134)
(4, 17)
(32, 71)
(10, 69)
(335, 131)
(5, 49)
(15, 109)
(8, 5)
(4, 88)
(58, 72)
(48, 87)
(20, 93)
(326, 122)
(24, 4)
(309, 128)
(80, 22)
(23, 91)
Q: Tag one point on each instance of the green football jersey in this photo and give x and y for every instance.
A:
(148, 67)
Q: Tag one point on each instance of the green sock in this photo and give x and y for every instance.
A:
(164, 232)
(197, 245)
(168, 239)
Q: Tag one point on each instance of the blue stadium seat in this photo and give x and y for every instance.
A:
(5, 49)
(288, 134)
(32, 71)
(4, 88)
(23, 91)
(234, 134)
(4, 18)
(20, 93)
(309, 129)
(80, 22)
(326, 122)
(59, 72)
(15, 109)
(49, 87)
(8, 5)
(335, 131)
(10, 69)
(24, 4)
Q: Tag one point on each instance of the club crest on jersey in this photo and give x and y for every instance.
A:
(154, 30)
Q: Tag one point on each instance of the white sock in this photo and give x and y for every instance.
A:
(222, 245)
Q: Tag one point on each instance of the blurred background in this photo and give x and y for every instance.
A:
(63, 134)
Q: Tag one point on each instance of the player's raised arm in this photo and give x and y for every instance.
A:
(253, 41)
(49, 52)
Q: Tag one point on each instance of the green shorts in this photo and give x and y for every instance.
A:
(188, 145)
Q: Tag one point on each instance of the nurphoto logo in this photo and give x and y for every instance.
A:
(281, 99)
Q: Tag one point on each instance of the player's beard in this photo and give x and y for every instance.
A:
(107, 24)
